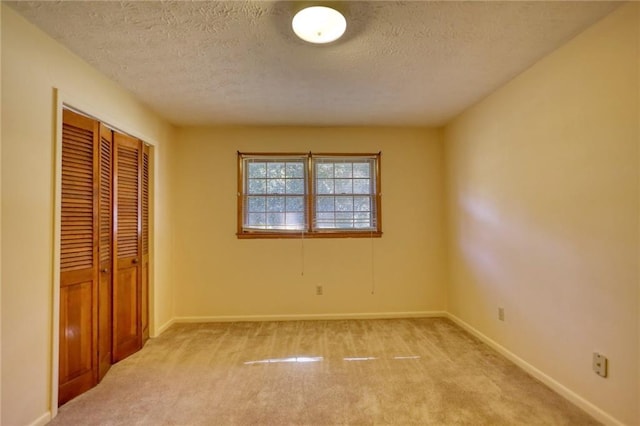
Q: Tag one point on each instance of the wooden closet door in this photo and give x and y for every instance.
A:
(105, 237)
(78, 361)
(145, 243)
(127, 329)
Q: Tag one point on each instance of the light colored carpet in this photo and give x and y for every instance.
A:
(358, 372)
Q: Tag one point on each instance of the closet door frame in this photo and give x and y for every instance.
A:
(63, 100)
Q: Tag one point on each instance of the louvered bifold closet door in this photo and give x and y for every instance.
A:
(105, 238)
(145, 243)
(78, 360)
(127, 327)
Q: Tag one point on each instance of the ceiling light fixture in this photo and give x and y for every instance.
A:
(319, 24)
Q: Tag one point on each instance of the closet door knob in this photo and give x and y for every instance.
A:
(105, 270)
(134, 261)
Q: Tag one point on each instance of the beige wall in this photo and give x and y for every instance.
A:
(161, 239)
(543, 194)
(543, 198)
(32, 66)
(218, 275)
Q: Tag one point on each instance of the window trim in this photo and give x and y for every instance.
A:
(310, 213)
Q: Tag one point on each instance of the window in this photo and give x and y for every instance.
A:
(313, 195)
(275, 190)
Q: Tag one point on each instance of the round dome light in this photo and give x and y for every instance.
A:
(319, 24)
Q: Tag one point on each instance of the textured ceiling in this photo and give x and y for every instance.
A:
(228, 63)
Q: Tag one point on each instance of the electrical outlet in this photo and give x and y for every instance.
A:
(318, 290)
(600, 364)
(501, 314)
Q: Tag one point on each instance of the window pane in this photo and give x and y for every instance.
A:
(344, 186)
(257, 170)
(295, 186)
(275, 186)
(324, 170)
(362, 220)
(295, 204)
(361, 186)
(324, 186)
(344, 220)
(361, 170)
(257, 220)
(275, 220)
(343, 170)
(361, 204)
(325, 204)
(325, 220)
(344, 204)
(257, 186)
(256, 204)
(294, 220)
(295, 170)
(275, 170)
(275, 204)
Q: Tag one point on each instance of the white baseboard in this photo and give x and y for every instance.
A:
(576, 399)
(298, 317)
(42, 420)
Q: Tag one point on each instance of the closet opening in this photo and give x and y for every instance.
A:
(103, 250)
